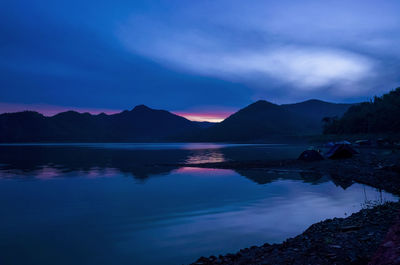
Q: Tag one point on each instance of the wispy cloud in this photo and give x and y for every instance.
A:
(299, 47)
(179, 54)
(303, 67)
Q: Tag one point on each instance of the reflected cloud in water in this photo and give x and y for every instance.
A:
(204, 172)
(131, 159)
(205, 156)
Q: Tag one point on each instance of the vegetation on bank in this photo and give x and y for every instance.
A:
(380, 115)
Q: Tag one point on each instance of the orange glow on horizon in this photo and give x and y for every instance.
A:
(50, 110)
(205, 116)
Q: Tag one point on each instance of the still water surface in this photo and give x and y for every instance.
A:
(129, 203)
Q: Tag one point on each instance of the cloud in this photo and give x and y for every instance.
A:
(347, 49)
(305, 68)
(180, 54)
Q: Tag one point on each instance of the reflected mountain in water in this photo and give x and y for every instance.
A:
(263, 177)
(142, 161)
(268, 176)
(36, 161)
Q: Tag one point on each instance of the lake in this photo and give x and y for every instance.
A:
(130, 203)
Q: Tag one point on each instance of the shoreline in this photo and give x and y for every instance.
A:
(350, 240)
(378, 168)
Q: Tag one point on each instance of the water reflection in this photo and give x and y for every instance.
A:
(84, 210)
(141, 161)
(191, 213)
(206, 156)
(204, 172)
(137, 160)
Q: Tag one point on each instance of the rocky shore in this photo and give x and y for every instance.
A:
(351, 240)
(389, 251)
(357, 239)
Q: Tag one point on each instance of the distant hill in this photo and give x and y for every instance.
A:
(204, 124)
(315, 110)
(258, 121)
(378, 116)
(140, 124)
(265, 120)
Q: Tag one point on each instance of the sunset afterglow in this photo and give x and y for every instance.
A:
(221, 132)
(216, 116)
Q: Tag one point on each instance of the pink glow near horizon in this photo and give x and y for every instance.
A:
(50, 110)
(210, 116)
(204, 172)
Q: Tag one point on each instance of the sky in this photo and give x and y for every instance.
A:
(201, 59)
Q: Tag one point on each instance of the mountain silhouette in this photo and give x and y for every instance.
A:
(264, 120)
(140, 124)
(261, 120)
(316, 110)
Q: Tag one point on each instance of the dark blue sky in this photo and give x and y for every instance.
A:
(193, 56)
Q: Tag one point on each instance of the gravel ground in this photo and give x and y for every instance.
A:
(351, 240)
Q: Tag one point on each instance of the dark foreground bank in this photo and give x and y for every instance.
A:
(351, 240)
(357, 239)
